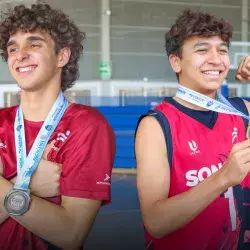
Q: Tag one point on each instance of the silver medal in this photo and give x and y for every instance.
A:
(17, 202)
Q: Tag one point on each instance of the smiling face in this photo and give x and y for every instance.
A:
(32, 60)
(204, 64)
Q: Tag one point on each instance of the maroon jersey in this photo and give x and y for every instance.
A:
(85, 147)
(199, 151)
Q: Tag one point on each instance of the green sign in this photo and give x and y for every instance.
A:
(105, 70)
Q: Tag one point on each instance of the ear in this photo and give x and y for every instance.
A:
(175, 62)
(64, 56)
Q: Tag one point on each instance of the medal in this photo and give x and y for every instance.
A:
(17, 202)
(18, 199)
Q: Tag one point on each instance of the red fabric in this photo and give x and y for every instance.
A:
(86, 151)
(197, 153)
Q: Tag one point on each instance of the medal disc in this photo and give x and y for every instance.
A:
(17, 202)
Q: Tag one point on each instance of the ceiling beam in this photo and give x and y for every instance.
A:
(194, 4)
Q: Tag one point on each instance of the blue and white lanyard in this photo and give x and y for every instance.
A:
(221, 105)
(26, 165)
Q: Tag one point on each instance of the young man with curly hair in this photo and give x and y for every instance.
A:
(42, 47)
(192, 154)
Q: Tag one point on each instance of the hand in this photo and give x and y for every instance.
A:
(237, 165)
(45, 182)
(243, 71)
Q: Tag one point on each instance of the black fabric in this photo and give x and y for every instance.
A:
(207, 118)
(239, 104)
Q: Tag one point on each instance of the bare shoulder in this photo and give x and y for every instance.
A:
(150, 134)
(151, 150)
(152, 163)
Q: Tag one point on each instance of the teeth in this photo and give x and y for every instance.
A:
(26, 69)
(211, 72)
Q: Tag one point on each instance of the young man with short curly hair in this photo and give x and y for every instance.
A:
(193, 158)
(42, 47)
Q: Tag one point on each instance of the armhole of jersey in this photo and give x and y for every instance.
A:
(239, 104)
(164, 123)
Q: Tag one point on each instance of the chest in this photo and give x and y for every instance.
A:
(199, 152)
(61, 136)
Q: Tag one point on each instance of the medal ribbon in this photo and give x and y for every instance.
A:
(221, 105)
(26, 165)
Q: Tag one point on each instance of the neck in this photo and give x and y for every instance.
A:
(36, 105)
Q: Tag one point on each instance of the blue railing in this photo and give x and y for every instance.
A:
(124, 120)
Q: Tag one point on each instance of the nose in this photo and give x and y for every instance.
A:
(22, 55)
(214, 58)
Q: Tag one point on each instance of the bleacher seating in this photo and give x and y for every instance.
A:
(124, 120)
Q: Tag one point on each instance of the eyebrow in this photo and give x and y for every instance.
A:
(197, 45)
(29, 39)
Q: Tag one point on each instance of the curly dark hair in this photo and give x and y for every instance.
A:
(191, 23)
(58, 25)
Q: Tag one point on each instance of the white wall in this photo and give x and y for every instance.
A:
(113, 92)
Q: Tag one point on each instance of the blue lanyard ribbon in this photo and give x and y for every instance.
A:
(26, 165)
(221, 105)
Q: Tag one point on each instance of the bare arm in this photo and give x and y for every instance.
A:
(44, 182)
(163, 215)
(243, 71)
(3, 216)
(65, 226)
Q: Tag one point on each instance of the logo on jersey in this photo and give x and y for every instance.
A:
(2, 145)
(194, 147)
(63, 136)
(193, 177)
(106, 181)
(107, 177)
(235, 136)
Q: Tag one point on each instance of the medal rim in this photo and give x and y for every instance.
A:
(25, 207)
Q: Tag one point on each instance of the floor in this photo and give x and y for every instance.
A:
(118, 226)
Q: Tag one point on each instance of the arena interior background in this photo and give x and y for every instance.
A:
(124, 70)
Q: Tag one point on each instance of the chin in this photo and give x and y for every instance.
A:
(213, 85)
(28, 87)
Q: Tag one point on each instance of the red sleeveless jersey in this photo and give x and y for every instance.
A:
(198, 152)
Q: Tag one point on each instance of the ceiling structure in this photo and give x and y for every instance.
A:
(137, 32)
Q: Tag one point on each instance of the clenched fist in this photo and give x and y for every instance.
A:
(243, 71)
(45, 182)
(237, 165)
